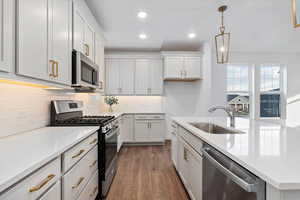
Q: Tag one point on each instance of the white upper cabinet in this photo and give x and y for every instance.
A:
(61, 39)
(173, 67)
(78, 31)
(99, 60)
(192, 67)
(44, 41)
(156, 77)
(84, 35)
(142, 81)
(120, 76)
(182, 66)
(126, 76)
(148, 77)
(112, 76)
(6, 35)
(32, 39)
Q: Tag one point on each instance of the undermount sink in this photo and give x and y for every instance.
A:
(214, 129)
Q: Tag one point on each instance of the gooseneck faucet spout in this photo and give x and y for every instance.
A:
(229, 112)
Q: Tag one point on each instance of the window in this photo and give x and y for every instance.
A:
(270, 81)
(238, 89)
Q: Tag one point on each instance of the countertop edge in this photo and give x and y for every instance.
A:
(7, 184)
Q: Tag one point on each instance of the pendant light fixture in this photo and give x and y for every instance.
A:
(222, 40)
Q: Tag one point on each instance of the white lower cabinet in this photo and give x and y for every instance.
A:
(91, 190)
(54, 193)
(174, 144)
(127, 128)
(36, 184)
(149, 128)
(190, 169)
(75, 180)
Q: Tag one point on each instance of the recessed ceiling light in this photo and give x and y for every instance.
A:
(142, 15)
(192, 35)
(143, 36)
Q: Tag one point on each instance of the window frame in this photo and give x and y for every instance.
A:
(254, 77)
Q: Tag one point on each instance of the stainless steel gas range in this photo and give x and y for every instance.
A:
(70, 113)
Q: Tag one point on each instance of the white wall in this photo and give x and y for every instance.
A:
(136, 104)
(24, 108)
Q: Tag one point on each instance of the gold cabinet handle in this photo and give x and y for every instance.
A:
(87, 52)
(185, 156)
(56, 63)
(79, 153)
(94, 191)
(101, 85)
(78, 183)
(52, 66)
(44, 182)
(93, 164)
(94, 141)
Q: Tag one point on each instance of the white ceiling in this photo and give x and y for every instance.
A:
(255, 25)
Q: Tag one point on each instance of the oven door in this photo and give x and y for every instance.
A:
(111, 147)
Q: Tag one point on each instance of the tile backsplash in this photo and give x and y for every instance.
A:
(24, 108)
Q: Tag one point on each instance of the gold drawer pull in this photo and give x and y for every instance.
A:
(44, 182)
(79, 153)
(52, 66)
(94, 191)
(79, 182)
(56, 63)
(94, 141)
(93, 164)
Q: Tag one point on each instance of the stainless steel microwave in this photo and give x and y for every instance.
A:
(84, 72)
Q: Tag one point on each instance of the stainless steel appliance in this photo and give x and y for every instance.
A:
(84, 72)
(69, 113)
(224, 179)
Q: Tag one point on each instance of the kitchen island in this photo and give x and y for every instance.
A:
(270, 151)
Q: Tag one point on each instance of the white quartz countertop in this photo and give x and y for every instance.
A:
(271, 151)
(118, 114)
(24, 153)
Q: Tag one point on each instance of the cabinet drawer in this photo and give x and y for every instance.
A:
(53, 193)
(74, 154)
(36, 184)
(91, 190)
(150, 117)
(75, 180)
(192, 140)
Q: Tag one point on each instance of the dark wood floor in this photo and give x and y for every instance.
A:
(146, 173)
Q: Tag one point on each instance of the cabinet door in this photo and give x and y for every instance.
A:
(182, 162)
(173, 67)
(32, 39)
(195, 174)
(192, 67)
(78, 33)
(89, 42)
(127, 128)
(60, 40)
(99, 60)
(142, 86)
(54, 193)
(141, 131)
(155, 75)
(156, 131)
(112, 76)
(126, 76)
(6, 35)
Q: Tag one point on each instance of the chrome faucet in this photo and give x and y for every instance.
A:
(229, 112)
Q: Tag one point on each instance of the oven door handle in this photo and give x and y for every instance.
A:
(109, 135)
(249, 187)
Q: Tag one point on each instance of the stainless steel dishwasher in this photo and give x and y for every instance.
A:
(224, 179)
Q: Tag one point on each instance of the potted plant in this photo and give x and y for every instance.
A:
(111, 100)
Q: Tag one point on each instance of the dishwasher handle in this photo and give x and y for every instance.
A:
(249, 187)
